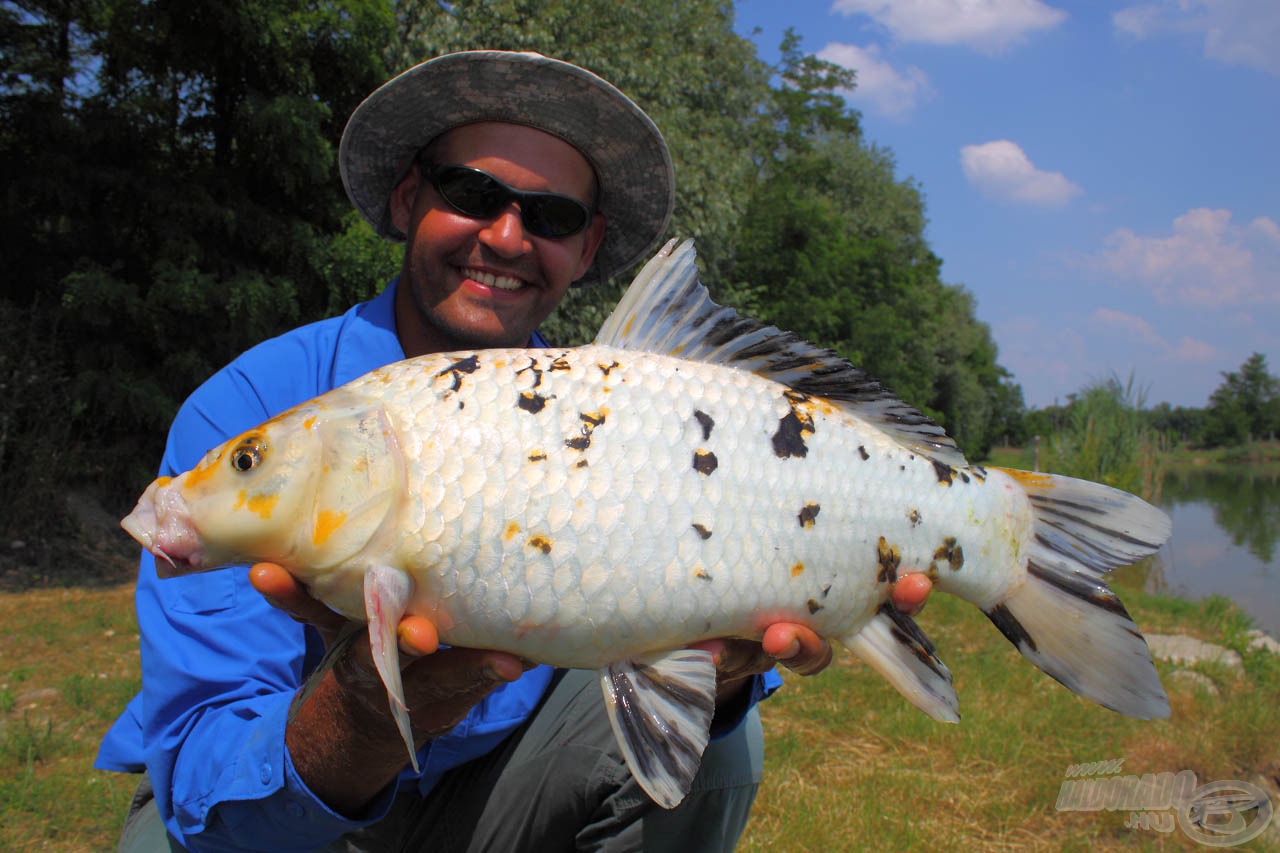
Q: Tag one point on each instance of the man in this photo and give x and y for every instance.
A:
(509, 177)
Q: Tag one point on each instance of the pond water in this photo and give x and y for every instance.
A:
(1226, 539)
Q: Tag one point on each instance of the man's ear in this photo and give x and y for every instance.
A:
(594, 234)
(403, 195)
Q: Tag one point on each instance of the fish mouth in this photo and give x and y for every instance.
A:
(161, 524)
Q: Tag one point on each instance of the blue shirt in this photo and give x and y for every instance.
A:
(221, 666)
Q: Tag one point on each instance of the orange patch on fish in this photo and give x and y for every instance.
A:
(197, 475)
(1029, 479)
(512, 530)
(327, 521)
(309, 423)
(163, 481)
(262, 505)
(797, 570)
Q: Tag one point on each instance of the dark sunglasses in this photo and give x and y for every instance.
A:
(480, 195)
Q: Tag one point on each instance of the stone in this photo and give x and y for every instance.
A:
(1195, 679)
(1178, 648)
(1262, 640)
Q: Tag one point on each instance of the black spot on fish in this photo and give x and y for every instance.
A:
(889, 558)
(944, 471)
(908, 633)
(605, 368)
(537, 456)
(702, 531)
(581, 463)
(590, 420)
(531, 402)
(704, 462)
(964, 477)
(559, 364)
(702, 574)
(460, 366)
(542, 543)
(862, 451)
(535, 370)
(809, 514)
(1011, 627)
(788, 441)
(914, 517)
(979, 472)
(950, 552)
(813, 606)
(705, 421)
(826, 590)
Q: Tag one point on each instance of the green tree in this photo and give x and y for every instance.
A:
(1245, 406)
(170, 184)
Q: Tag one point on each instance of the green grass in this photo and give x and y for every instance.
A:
(69, 666)
(849, 763)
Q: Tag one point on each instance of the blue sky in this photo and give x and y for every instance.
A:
(1102, 176)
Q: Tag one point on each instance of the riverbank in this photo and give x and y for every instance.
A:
(847, 759)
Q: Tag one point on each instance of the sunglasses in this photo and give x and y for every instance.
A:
(479, 195)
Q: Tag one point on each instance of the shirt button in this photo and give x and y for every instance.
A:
(294, 809)
(266, 774)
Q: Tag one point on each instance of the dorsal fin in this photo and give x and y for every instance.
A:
(667, 311)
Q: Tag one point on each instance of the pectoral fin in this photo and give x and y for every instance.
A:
(386, 595)
(896, 648)
(660, 707)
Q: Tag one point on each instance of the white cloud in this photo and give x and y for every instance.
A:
(1003, 170)
(1237, 32)
(986, 25)
(881, 87)
(1207, 260)
(1129, 327)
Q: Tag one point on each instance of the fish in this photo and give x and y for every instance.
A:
(692, 473)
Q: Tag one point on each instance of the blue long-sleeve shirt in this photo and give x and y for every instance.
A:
(221, 666)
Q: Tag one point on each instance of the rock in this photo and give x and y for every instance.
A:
(1195, 679)
(1262, 640)
(1178, 648)
(33, 698)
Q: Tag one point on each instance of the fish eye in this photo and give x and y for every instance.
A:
(247, 455)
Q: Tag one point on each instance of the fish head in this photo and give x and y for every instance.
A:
(307, 490)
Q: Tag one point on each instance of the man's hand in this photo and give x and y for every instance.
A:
(343, 740)
(794, 646)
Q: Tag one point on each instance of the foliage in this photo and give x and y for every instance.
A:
(1245, 406)
(1105, 437)
(171, 198)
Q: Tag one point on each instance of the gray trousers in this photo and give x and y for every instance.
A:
(558, 783)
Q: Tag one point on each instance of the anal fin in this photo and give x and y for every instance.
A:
(386, 595)
(660, 708)
(894, 646)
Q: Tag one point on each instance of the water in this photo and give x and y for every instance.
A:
(1226, 539)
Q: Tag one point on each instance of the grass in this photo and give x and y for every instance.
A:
(848, 762)
(69, 666)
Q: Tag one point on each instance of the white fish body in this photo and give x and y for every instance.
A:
(691, 475)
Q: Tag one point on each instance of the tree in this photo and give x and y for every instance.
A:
(1245, 406)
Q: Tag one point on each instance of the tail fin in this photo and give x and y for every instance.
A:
(1064, 618)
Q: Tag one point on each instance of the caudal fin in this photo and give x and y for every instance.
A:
(1064, 618)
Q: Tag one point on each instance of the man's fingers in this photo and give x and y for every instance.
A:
(797, 648)
(283, 591)
(417, 636)
(911, 591)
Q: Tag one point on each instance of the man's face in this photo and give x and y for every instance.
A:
(475, 283)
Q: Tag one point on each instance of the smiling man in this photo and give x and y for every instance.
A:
(510, 178)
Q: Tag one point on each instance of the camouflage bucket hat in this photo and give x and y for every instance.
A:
(627, 151)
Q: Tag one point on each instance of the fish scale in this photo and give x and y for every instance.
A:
(692, 474)
(605, 473)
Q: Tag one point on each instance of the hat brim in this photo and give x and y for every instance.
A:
(630, 158)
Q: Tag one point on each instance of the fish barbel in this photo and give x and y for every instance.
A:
(692, 474)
